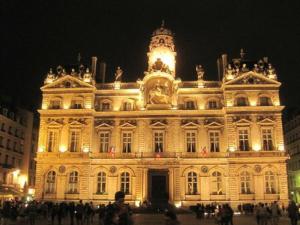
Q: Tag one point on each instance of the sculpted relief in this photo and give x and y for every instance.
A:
(159, 91)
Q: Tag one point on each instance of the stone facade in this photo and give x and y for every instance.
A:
(205, 141)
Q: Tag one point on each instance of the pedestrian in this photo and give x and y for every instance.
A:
(171, 218)
(32, 212)
(101, 214)
(54, 212)
(71, 209)
(292, 210)
(275, 213)
(79, 210)
(262, 214)
(6, 212)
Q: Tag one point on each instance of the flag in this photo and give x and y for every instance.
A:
(204, 151)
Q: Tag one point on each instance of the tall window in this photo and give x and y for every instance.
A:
(55, 104)
(73, 182)
(190, 141)
(267, 139)
(125, 182)
(1, 141)
(217, 186)
(101, 183)
(105, 106)
(245, 182)
(50, 182)
(159, 141)
(212, 104)
(77, 104)
(243, 140)
(190, 105)
(3, 126)
(52, 140)
(8, 144)
(192, 183)
(265, 101)
(74, 145)
(270, 182)
(104, 141)
(214, 141)
(241, 101)
(126, 141)
(127, 106)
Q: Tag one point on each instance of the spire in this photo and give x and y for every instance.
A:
(162, 23)
(242, 53)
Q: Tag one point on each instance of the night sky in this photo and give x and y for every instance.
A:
(37, 35)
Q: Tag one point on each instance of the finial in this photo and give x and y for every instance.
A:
(79, 58)
(163, 23)
(51, 71)
(242, 53)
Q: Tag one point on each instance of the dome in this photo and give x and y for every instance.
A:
(162, 31)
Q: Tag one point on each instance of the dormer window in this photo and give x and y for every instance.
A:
(265, 101)
(189, 105)
(212, 104)
(241, 101)
(55, 104)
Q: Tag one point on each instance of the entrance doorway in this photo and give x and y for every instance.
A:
(158, 189)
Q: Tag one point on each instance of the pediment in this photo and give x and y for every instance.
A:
(127, 125)
(214, 124)
(190, 124)
(158, 124)
(266, 121)
(104, 126)
(252, 78)
(67, 81)
(76, 124)
(54, 123)
(242, 121)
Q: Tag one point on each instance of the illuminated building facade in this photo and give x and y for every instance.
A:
(161, 138)
(17, 150)
(292, 143)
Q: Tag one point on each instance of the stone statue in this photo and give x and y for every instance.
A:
(229, 70)
(200, 72)
(118, 74)
(256, 69)
(271, 70)
(244, 68)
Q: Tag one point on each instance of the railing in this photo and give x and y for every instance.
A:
(257, 154)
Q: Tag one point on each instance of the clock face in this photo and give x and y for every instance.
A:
(204, 169)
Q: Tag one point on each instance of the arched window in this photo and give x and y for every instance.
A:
(270, 182)
(125, 182)
(192, 183)
(55, 103)
(105, 105)
(245, 182)
(241, 101)
(50, 182)
(128, 106)
(216, 182)
(190, 104)
(101, 183)
(73, 182)
(77, 103)
(265, 101)
(212, 104)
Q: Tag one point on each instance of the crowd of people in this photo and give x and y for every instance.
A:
(120, 213)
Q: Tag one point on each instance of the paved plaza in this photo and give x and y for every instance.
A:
(158, 219)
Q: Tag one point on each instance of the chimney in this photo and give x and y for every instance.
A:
(101, 77)
(224, 63)
(94, 66)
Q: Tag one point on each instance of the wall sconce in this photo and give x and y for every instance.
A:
(256, 147)
(62, 148)
(232, 148)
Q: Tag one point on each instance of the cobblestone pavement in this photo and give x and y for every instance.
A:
(158, 219)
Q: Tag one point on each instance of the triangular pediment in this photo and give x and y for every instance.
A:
(67, 81)
(54, 123)
(214, 124)
(158, 124)
(266, 121)
(127, 125)
(252, 78)
(104, 126)
(76, 124)
(190, 124)
(242, 121)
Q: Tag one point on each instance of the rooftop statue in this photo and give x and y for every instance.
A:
(200, 72)
(118, 74)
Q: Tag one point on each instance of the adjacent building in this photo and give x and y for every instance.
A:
(292, 143)
(162, 138)
(17, 150)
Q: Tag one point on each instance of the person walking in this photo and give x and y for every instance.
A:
(79, 210)
(171, 218)
(275, 213)
(71, 209)
(292, 210)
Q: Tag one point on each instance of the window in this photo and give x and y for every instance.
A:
(50, 182)
(192, 183)
(159, 141)
(217, 186)
(104, 141)
(6, 160)
(21, 148)
(267, 139)
(74, 141)
(126, 141)
(3, 126)
(125, 182)
(13, 161)
(10, 130)
(52, 141)
(270, 182)
(8, 144)
(241, 101)
(15, 146)
(190, 141)
(1, 141)
(245, 182)
(243, 140)
(212, 104)
(127, 106)
(73, 183)
(214, 141)
(55, 104)
(77, 104)
(105, 106)
(265, 101)
(189, 105)
(101, 183)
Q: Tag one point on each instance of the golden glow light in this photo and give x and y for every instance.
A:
(166, 56)
(44, 106)
(86, 149)
(137, 203)
(62, 148)
(253, 103)
(16, 173)
(31, 191)
(281, 147)
(178, 204)
(231, 148)
(41, 149)
(66, 105)
(256, 147)
(229, 103)
(22, 180)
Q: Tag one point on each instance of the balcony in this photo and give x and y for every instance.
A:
(257, 154)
